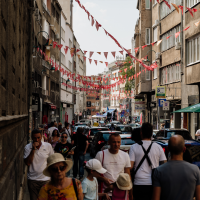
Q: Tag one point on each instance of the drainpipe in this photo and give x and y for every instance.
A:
(182, 40)
(30, 24)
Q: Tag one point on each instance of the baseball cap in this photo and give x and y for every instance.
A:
(95, 165)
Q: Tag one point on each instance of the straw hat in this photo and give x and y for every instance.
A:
(95, 164)
(124, 182)
(56, 158)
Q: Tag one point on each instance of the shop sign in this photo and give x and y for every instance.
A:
(140, 105)
(160, 92)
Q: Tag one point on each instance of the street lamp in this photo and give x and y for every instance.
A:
(52, 69)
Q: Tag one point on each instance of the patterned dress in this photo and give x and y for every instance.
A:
(49, 192)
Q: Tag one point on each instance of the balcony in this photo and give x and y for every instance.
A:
(44, 5)
(48, 11)
(46, 64)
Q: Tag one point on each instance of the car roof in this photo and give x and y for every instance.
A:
(122, 125)
(110, 132)
(174, 129)
(98, 128)
(125, 136)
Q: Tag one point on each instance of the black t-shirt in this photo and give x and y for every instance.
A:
(79, 142)
(63, 149)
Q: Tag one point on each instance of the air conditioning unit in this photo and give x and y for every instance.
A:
(178, 46)
(157, 55)
(37, 12)
(57, 36)
(157, 22)
(36, 84)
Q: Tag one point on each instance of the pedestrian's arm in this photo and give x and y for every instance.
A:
(156, 193)
(104, 195)
(28, 161)
(87, 144)
(132, 165)
(198, 192)
(162, 162)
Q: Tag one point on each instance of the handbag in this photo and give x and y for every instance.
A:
(142, 160)
(75, 187)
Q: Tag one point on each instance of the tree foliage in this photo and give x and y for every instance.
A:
(130, 72)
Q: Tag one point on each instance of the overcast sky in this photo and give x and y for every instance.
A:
(118, 17)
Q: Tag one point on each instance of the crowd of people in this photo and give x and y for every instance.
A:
(143, 174)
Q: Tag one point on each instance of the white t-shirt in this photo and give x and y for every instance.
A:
(90, 189)
(114, 164)
(50, 130)
(198, 132)
(136, 153)
(35, 170)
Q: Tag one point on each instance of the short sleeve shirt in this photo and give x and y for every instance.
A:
(136, 153)
(113, 163)
(35, 170)
(63, 149)
(79, 142)
(90, 189)
(177, 179)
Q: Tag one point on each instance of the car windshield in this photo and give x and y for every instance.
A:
(127, 141)
(94, 131)
(115, 122)
(101, 122)
(81, 124)
(76, 127)
(106, 136)
(168, 134)
(124, 128)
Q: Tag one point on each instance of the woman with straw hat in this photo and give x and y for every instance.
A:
(60, 187)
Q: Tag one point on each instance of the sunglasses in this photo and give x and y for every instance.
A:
(56, 169)
(63, 137)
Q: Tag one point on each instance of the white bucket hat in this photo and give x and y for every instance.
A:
(95, 164)
(56, 158)
(124, 182)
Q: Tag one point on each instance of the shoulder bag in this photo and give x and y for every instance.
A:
(75, 187)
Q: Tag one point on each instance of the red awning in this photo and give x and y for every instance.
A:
(53, 107)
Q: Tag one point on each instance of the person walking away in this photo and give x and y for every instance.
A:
(121, 187)
(143, 171)
(51, 129)
(68, 131)
(35, 157)
(90, 184)
(81, 142)
(60, 187)
(112, 128)
(59, 126)
(176, 179)
(55, 138)
(64, 147)
(114, 161)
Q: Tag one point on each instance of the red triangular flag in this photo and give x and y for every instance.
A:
(144, 46)
(95, 62)
(90, 60)
(92, 20)
(168, 37)
(106, 32)
(106, 64)
(136, 49)
(121, 52)
(177, 34)
(167, 4)
(91, 53)
(72, 54)
(190, 10)
(85, 52)
(60, 46)
(66, 49)
(106, 54)
(97, 25)
(194, 10)
(131, 66)
(54, 44)
(113, 53)
(181, 7)
(77, 50)
(84, 58)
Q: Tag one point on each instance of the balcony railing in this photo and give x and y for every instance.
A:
(44, 5)
(46, 64)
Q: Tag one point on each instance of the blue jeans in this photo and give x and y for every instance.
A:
(79, 159)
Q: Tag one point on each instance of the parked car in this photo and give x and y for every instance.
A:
(125, 129)
(91, 132)
(192, 153)
(100, 139)
(126, 143)
(76, 127)
(82, 124)
(102, 124)
(135, 125)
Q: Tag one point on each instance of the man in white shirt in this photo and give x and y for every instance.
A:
(114, 161)
(35, 157)
(52, 128)
(142, 189)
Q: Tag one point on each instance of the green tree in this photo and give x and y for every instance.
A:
(129, 73)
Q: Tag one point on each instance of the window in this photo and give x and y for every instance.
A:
(63, 34)
(147, 4)
(193, 50)
(62, 58)
(70, 44)
(57, 17)
(147, 36)
(70, 66)
(171, 41)
(52, 35)
(155, 34)
(171, 73)
(147, 75)
(164, 10)
(191, 3)
(155, 73)
(53, 10)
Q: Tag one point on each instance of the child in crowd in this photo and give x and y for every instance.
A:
(121, 187)
(90, 184)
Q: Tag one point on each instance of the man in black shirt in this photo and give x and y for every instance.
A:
(81, 142)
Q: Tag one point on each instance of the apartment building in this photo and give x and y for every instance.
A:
(142, 37)
(46, 80)
(15, 58)
(67, 104)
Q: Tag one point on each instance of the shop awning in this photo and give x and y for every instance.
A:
(191, 109)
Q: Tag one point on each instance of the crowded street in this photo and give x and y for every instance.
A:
(100, 100)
